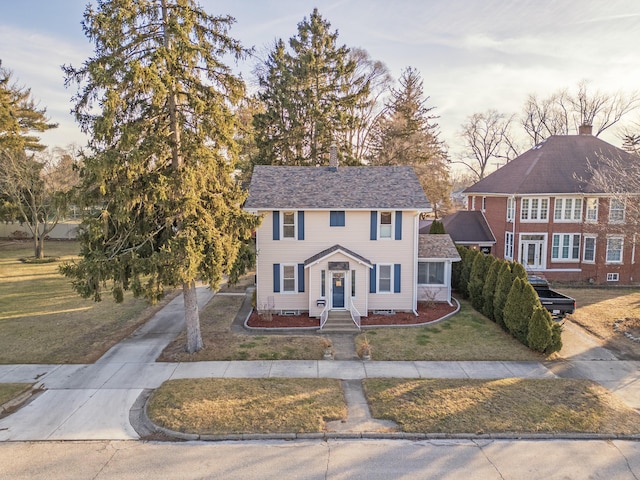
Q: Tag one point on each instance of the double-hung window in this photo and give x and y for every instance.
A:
(614, 249)
(508, 245)
(384, 278)
(385, 225)
(565, 246)
(567, 210)
(288, 224)
(511, 209)
(288, 278)
(616, 210)
(589, 254)
(591, 214)
(534, 209)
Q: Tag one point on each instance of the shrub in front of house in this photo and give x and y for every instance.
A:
(476, 279)
(489, 287)
(519, 307)
(556, 339)
(503, 286)
(540, 327)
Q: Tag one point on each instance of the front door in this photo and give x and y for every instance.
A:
(531, 253)
(337, 296)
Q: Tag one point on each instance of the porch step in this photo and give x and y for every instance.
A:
(339, 322)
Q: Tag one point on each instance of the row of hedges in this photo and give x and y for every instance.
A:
(500, 290)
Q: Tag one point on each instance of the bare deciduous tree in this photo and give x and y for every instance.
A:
(487, 137)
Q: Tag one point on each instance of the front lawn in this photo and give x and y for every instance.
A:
(217, 406)
(468, 335)
(499, 406)
(42, 320)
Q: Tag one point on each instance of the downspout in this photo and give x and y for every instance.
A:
(513, 229)
(416, 232)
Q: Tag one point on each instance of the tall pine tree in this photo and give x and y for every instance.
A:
(155, 99)
(310, 94)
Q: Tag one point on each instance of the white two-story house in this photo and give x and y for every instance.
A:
(344, 238)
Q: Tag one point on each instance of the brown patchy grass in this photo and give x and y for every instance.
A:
(468, 335)
(12, 390)
(598, 308)
(500, 406)
(215, 406)
(222, 344)
(42, 320)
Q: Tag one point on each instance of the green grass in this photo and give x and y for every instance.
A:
(42, 320)
(467, 335)
(217, 406)
(498, 406)
(12, 390)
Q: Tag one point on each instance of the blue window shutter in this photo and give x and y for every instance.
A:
(398, 225)
(276, 277)
(396, 278)
(301, 277)
(300, 225)
(372, 280)
(374, 225)
(276, 225)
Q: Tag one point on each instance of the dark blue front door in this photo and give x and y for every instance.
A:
(338, 290)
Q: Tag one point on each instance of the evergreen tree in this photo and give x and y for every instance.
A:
(456, 268)
(477, 277)
(503, 286)
(518, 270)
(465, 273)
(521, 302)
(310, 95)
(555, 345)
(436, 228)
(162, 152)
(408, 135)
(489, 287)
(539, 336)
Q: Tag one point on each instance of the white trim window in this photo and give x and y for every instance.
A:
(591, 214)
(385, 226)
(385, 278)
(431, 273)
(567, 210)
(484, 204)
(511, 209)
(289, 280)
(589, 251)
(534, 209)
(616, 210)
(613, 277)
(289, 225)
(508, 245)
(565, 246)
(615, 245)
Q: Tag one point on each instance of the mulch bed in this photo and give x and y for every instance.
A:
(426, 313)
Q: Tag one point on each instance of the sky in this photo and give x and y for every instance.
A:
(473, 55)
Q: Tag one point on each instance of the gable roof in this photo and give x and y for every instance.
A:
(280, 187)
(560, 164)
(437, 246)
(337, 248)
(465, 228)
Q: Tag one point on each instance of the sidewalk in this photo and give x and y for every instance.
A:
(93, 402)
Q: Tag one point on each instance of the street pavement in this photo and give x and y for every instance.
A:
(93, 402)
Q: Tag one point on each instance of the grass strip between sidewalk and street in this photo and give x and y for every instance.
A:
(216, 406)
(500, 406)
(12, 390)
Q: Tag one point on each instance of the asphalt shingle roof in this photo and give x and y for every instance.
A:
(335, 248)
(437, 246)
(466, 227)
(560, 164)
(280, 187)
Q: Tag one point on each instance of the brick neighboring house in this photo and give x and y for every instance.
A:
(344, 238)
(546, 211)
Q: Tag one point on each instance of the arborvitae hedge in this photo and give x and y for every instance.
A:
(476, 281)
(521, 302)
(436, 227)
(503, 286)
(539, 336)
(489, 287)
(556, 339)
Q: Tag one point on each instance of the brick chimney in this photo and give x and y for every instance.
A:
(584, 129)
(333, 158)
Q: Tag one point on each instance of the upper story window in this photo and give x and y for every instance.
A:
(591, 214)
(385, 225)
(565, 246)
(534, 209)
(511, 209)
(288, 224)
(484, 203)
(336, 218)
(508, 245)
(568, 210)
(616, 210)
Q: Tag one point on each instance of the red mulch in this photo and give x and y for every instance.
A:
(426, 313)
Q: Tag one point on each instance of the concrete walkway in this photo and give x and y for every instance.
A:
(93, 402)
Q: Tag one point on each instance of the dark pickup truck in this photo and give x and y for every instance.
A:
(557, 304)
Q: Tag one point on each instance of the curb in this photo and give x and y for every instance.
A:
(22, 399)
